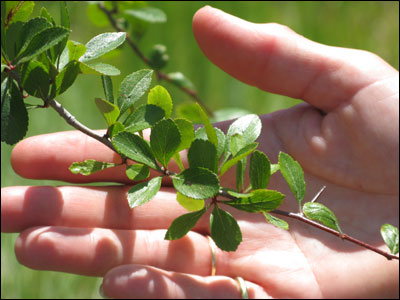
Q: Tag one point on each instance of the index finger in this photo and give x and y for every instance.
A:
(276, 59)
(49, 156)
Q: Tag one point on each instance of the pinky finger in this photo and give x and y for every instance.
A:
(145, 282)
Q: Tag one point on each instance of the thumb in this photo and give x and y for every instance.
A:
(276, 59)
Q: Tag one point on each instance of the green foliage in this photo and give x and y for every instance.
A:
(258, 201)
(225, 231)
(143, 117)
(202, 154)
(276, 221)
(14, 116)
(181, 225)
(137, 172)
(196, 183)
(38, 58)
(188, 203)
(260, 170)
(165, 139)
(89, 166)
(144, 192)
(319, 212)
(132, 88)
(109, 111)
(294, 176)
(135, 148)
(390, 235)
(101, 44)
(159, 96)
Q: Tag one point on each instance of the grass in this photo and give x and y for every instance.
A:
(372, 26)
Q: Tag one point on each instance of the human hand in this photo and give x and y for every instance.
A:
(334, 136)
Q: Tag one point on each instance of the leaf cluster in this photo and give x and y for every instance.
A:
(38, 58)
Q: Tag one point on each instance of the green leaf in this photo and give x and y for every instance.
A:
(75, 50)
(147, 14)
(102, 44)
(294, 176)
(108, 88)
(181, 80)
(258, 201)
(143, 192)
(137, 172)
(240, 173)
(45, 14)
(225, 231)
(65, 78)
(89, 166)
(109, 111)
(31, 28)
(42, 41)
(14, 116)
(115, 128)
(202, 154)
(133, 87)
(135, 148)
(201, 134)
(249, 127)
(189, 111)
(239, 156)
(319, 212)
(260, 170)
(165, 139)
(276, 221)
(35, 79)
(145, 116)
(187, 133)
(12, 42)
(159, 96)
(20, 11)
(390, 235)
(64, 22)
(211, 134)
(237, 142)
(188, 203)
(182, 224)
(98, 68)
(64, 16)
(274, 168)
(197, 183)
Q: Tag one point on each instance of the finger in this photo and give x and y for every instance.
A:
(32, 157)
(144, 282)
(94, 251)
(105, 207)
(276, 59)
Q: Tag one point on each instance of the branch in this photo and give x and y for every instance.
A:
(71, 120)
(303, 219)
(139, 53)
(343, 236)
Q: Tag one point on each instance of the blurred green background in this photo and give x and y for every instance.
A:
(372, 26)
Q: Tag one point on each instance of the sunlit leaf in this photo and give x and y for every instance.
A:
(225, 231)
(319, 212)
(197, 183)
(182, 224)
(89, 166)
(143, 192)
(390, 235)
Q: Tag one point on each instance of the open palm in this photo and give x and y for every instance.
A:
(345, 136)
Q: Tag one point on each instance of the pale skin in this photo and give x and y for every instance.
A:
(345, 135)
